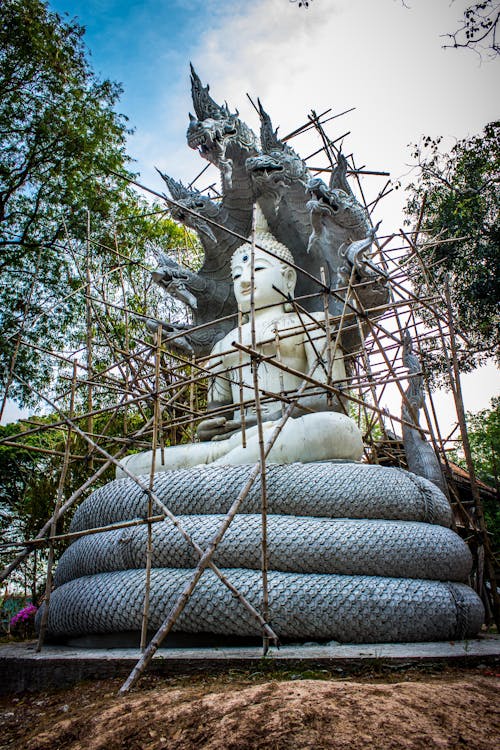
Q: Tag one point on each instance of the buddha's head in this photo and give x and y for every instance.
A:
(274, 278)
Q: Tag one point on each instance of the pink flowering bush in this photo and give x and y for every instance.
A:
(23, 623)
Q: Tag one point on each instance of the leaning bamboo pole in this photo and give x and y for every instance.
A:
(59, 497)
(89, 337)
(149, 538)
(205, 560)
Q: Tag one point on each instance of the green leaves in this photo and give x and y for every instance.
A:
(461, 191)
(60, 136)
(484, 437)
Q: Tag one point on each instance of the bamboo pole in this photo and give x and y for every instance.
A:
(280, 375)
(375, 417)
(254, 363)
(205, 560)
(241, 383)
(326, 312)
(149, 539)
(191, 406)
(36, 543)
(59, 497)
(37, 449)
(89, 336)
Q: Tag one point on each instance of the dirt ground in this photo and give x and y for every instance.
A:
(416, 708)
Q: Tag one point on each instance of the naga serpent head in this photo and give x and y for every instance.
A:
(191, 200)
(278, 165)
(220, 141)
(216, 133)
(202, 205)
(175, 280)
(337, 206)
(209, 136)
(275, 170)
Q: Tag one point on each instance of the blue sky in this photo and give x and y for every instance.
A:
(146, 46)
(143, 45)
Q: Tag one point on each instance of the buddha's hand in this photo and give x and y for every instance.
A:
(219, 428)
(215, 428)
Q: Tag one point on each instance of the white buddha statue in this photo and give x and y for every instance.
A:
(317, 431)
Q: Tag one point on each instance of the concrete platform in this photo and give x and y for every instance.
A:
(22, 669)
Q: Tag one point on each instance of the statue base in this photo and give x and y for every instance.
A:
(358, 554)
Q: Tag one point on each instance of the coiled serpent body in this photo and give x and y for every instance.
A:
(356, 553)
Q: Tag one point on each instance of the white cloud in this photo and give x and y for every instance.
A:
(382, 58)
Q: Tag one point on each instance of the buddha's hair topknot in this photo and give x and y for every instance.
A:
(268, 242)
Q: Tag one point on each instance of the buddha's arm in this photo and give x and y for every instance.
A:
(318, 360)
(219, 395)
(219, 389)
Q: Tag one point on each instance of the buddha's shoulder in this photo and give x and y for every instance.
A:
(301, 321)
(225, 344)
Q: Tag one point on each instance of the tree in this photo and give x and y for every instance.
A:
(484, 436)
(478, 29)
(29, 482)
(456, 195)
(60, 134)
(60, 141)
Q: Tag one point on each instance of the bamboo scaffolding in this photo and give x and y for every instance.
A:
(133, 378)
(205, 560)
(8, 569)
(149, 493)
(457, 393)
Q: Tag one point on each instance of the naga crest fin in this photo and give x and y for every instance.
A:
(415, 390)
(176, 189)
(203, 104)
(338, 179)
(268, 136)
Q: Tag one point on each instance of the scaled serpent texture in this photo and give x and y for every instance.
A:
(356, 554)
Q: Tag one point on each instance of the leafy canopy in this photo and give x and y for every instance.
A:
(60, 140)
(60, 133)
(460, 193)
(484, 436)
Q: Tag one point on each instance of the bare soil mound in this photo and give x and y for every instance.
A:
(455, 709)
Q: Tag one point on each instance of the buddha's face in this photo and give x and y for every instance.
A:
(274, 280)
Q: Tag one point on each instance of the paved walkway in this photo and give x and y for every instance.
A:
(24, 669)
